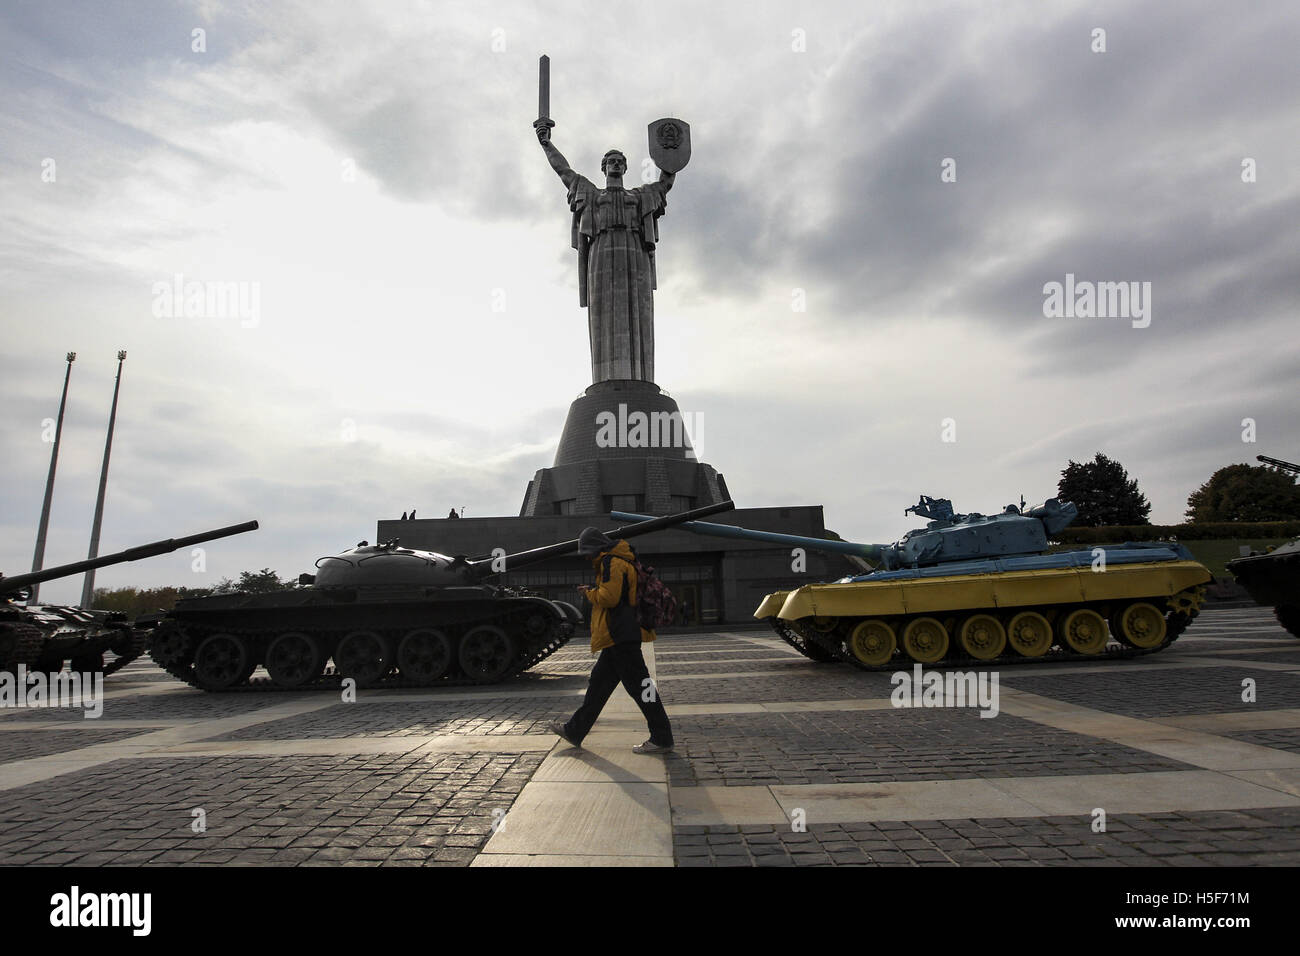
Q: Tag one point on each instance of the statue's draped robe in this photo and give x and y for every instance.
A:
(615, 231)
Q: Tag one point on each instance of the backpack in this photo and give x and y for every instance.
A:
(655, 603)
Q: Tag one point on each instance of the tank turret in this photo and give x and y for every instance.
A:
(947, 537)
(383, 614)
(43, 636)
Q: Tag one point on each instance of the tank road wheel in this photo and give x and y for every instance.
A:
(983, 637)
(1029, 634)
(1083, 630)
(486, 654)
(294, 659)
(220, 662)
(1140, 625)
(170, 646)
(925, 640)
(873, 642)
(424, 655)
(363, 656)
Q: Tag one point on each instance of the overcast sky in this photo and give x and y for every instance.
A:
(371, 174)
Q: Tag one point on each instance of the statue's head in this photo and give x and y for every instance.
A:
(614, 163)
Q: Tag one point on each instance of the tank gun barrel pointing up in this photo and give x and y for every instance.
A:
(643, 525)
(8, 585)
(869, 552)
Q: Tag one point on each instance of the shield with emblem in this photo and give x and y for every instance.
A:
(670, 144)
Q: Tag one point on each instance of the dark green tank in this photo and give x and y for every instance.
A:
(383, 614)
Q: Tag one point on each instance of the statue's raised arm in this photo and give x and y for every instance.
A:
(555, 157)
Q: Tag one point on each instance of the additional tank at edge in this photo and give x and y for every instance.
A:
(42, 636)
(982, 588)
(385, 615)
(1272, 578)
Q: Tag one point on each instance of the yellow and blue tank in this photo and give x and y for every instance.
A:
(984, 589)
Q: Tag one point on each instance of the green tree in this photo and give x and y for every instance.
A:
(1245, 493)
(136, 601)
(1103, 493)
(260, 582)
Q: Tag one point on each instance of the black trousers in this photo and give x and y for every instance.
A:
(621, 664)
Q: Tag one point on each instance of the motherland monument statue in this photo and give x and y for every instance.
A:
(615, 230)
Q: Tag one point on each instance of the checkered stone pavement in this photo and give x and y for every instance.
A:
(1165, 693)
(377, 718)
(17, 745)
(1188, 773)
(1238, 838)
(883, 745)
(389, 808)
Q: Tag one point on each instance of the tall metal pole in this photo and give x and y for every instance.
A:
(88, 589)
(38, 559)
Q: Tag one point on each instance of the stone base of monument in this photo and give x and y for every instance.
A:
(625, 446)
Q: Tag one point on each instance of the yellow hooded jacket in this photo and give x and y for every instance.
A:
(615, 572)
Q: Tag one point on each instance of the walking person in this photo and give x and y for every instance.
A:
(616, 637)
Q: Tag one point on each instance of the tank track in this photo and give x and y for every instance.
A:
(26, 641)
(836, 649)
(139, 644)
(182, 667)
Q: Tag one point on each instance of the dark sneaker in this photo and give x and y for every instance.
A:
(650, 747)
(557, 727)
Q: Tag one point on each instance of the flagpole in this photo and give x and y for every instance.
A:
(88, 589)
(38, 559)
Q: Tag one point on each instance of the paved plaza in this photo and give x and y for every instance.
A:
(779, 762)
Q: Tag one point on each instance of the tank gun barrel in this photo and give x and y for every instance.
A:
(8, 585)
(869, 552)
(643, 525)
(1279, 463)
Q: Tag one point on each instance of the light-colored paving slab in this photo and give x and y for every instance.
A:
(344, 746)
(571, 859)
(19, 773)
(910, 800)
(587, 819)
(1189, 746)
(1159, 792)
(1287, 781)
(80, 723)
(1237, 721)
(1236, 659)
(740, 806)
(601, 763)
(601, 801)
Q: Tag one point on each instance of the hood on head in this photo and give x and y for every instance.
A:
(591, 543)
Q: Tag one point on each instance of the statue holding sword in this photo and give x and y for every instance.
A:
(615, 230)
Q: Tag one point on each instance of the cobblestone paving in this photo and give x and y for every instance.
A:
(673, 666)
(740, 653)
(1231, 838)
(1283, 739)
(1288, 656)
(1167, 693)
(392, 809)
(490, 716)
(187, 704)
(19, 745)
(810, 681)
(820, 747)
